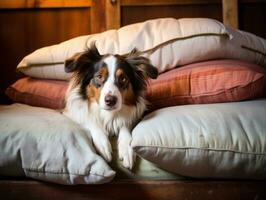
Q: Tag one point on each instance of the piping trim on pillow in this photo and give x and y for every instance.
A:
(148, 51)
(58, 172)
(199, 148)
(254, 50)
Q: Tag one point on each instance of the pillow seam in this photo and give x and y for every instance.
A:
(57, 172)
(205, 149)
(149, 51)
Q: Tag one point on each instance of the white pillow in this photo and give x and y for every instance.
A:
(48, 62)
(226, 140)
(44, 144)
(185, 41)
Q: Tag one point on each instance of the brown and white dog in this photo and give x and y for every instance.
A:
(106, 96)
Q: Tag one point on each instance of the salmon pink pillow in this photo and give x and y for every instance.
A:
(205, 82)
(38, 92)
(208, 82)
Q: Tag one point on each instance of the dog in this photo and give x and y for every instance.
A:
(106, 96)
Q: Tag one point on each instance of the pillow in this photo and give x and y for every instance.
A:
(225, 140)
(142, 169)
(44, 144)
(166, 42)
(38, 92)
(208, 82)
(205, 82)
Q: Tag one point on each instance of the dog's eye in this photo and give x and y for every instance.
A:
(98, 80)
(122, 81)
(99, 77)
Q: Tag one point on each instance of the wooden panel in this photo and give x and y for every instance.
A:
(129, 13)
(230, 13)
(23, 31)
(98, 23)
(252, 17)
(113, 17)
(166, 2)
(12, 4)
(148, 190)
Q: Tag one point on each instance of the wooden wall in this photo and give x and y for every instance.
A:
(252, 17)
(26, 25)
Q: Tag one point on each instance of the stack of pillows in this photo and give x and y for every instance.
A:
(200, 61)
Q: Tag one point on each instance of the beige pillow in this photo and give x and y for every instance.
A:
(47, 62)
(44, 144)
(169, 43)
(224, 140)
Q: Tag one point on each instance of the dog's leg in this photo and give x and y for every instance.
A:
(125, 151)
(100, 141)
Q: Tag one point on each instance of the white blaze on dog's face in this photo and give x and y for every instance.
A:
(110, 80)
(110, 96)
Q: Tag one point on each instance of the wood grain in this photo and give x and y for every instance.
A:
(166, 2)
(148, 190)
(15, 4)
(113, 15)
(230, 13)
(98, 22)
(24, 31)
(129, 13)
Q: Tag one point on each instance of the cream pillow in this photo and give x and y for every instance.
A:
(48, 62)
(44, 144)
(169, 43)
(224, 140)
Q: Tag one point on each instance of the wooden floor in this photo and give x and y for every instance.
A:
(122, 189)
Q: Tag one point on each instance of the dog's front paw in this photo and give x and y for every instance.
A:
(126, 154)
(104, 148)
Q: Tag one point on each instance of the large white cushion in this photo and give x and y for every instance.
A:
(190, 40)
(226, 140)
(43, 144)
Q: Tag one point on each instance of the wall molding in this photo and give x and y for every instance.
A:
(27, 4)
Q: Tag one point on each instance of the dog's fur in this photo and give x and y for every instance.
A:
(106, 96)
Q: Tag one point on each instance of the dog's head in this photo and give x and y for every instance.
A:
(110, 80)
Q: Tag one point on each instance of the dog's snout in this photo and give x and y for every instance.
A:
(110, 100)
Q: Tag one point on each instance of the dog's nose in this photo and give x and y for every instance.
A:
(110, 100)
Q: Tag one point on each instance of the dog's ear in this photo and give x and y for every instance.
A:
(79, 60)
(72, 63)
(141, 65)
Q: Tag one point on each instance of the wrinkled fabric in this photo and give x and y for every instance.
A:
(190, 40)
(44, 144)
(223, 140)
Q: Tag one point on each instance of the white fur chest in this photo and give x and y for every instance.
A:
(113, 121)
